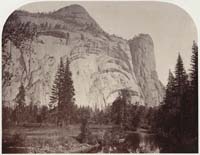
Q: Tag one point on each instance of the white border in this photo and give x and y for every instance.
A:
(192, 7)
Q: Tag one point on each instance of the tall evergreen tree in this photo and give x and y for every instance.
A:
(181, 85)
(57, 97)
(194, 69)
(63, 93)
(180, 76)
(35, 113)
(168, 108)
(194, 88)
(116, 111)
(119, 108)
(170, 89)
(20, 100)
(30, 111)
(69, 92)
(44, 112)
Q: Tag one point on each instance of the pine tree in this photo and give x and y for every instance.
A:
(168, 109)
(125, 97)
(119, 108)
(194, 69)
(194, 89)
(181, 85)
(171, 82)
(20, 100)
(116, 111)
(63, 93)
(180, 76)
(35, 113)
(30, 116)
(170, 89)
(57, 97)
(69, 92)
(44, 112)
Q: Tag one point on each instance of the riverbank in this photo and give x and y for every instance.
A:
(49, 139)
(103, 138)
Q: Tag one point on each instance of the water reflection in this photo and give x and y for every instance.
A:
(132, 143)
(141, 143)
(122, 142)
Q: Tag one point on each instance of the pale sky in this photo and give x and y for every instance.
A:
(170, 27)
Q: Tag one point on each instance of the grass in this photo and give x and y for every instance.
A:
(49, 139)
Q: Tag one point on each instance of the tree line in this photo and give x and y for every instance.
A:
(177, 116)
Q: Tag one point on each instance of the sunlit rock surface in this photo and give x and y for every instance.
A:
(101, 64)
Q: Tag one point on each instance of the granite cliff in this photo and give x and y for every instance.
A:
(143, 60)
(101, 64)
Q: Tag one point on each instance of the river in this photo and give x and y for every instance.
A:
(140, 141)
(134, 142)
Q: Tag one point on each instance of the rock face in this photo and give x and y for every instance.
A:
(143, 59)
(75, 14)
(101, 64)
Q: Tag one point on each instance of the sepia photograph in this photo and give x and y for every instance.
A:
(99, 77)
